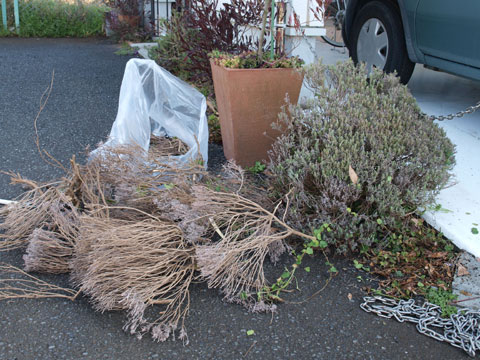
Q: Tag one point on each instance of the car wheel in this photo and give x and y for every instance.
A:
(377, 39)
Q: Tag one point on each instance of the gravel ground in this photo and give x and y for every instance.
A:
(80, 112)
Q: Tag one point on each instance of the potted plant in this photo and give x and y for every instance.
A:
(250, 89)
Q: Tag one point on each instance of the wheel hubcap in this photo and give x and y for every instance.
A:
(372, 45)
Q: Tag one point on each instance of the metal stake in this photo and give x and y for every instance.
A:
(17, 17)
(4, 14)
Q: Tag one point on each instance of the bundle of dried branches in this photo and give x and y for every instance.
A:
(132, 233)
(20, 285)
(132, 265)
(45, 208)
(234, 179)
(123, 177)
(30, 212)
(161, 146)
(234, 264)
(47, 252)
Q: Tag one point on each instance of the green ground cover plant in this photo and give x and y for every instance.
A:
(57, 18)
(414, 259)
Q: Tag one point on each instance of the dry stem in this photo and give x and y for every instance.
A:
(235, 263)
(26, 286)
(131, 265)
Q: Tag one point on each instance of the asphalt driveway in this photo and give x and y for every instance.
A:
(80, 111)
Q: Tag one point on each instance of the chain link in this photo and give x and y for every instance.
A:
(469, 110)
(461, 330)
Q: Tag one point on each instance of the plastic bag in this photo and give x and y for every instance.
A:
(154, 101)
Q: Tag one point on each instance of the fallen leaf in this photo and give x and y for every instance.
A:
(349, 296)
(353, 175)
(439, 254)
(466, 293)
(442, 286)
(462, 270)
(416, 221)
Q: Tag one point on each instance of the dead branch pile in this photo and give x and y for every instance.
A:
(131, 265)
(161, 146)
(133, 233)
(247, 232)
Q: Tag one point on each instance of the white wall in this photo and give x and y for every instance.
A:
(305, 14)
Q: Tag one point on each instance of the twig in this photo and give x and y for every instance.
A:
(43, 102)
(250, 348)
(467, 299)
(313, 295)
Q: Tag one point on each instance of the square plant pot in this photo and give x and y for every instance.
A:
(249, 101)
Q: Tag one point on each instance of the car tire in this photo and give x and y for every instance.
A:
(375, 24)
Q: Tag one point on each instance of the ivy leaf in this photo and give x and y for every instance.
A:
(250, 332)
(357, 264)
(317, 233)
(309, 251)
(285, 275)
(323, 244)
(307, 269)
(474, 231)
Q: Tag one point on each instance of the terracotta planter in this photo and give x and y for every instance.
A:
(249, 101)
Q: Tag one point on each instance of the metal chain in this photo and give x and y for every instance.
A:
(459, 114)
(461, 330)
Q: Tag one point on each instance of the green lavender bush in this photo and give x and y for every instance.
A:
(359, 156)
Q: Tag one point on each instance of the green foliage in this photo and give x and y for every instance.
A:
(358, 156)
(58, 18)
(272, 293)
(126, 50)
(214, 132)
(258, 168)
(250, 60)
(359, 266)
(443, 299)
(169, 52)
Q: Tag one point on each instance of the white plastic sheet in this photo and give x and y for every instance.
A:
(154, 101)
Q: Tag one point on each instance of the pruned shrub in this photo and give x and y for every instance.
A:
(359, 156)
(170, 52)
(203, 27)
